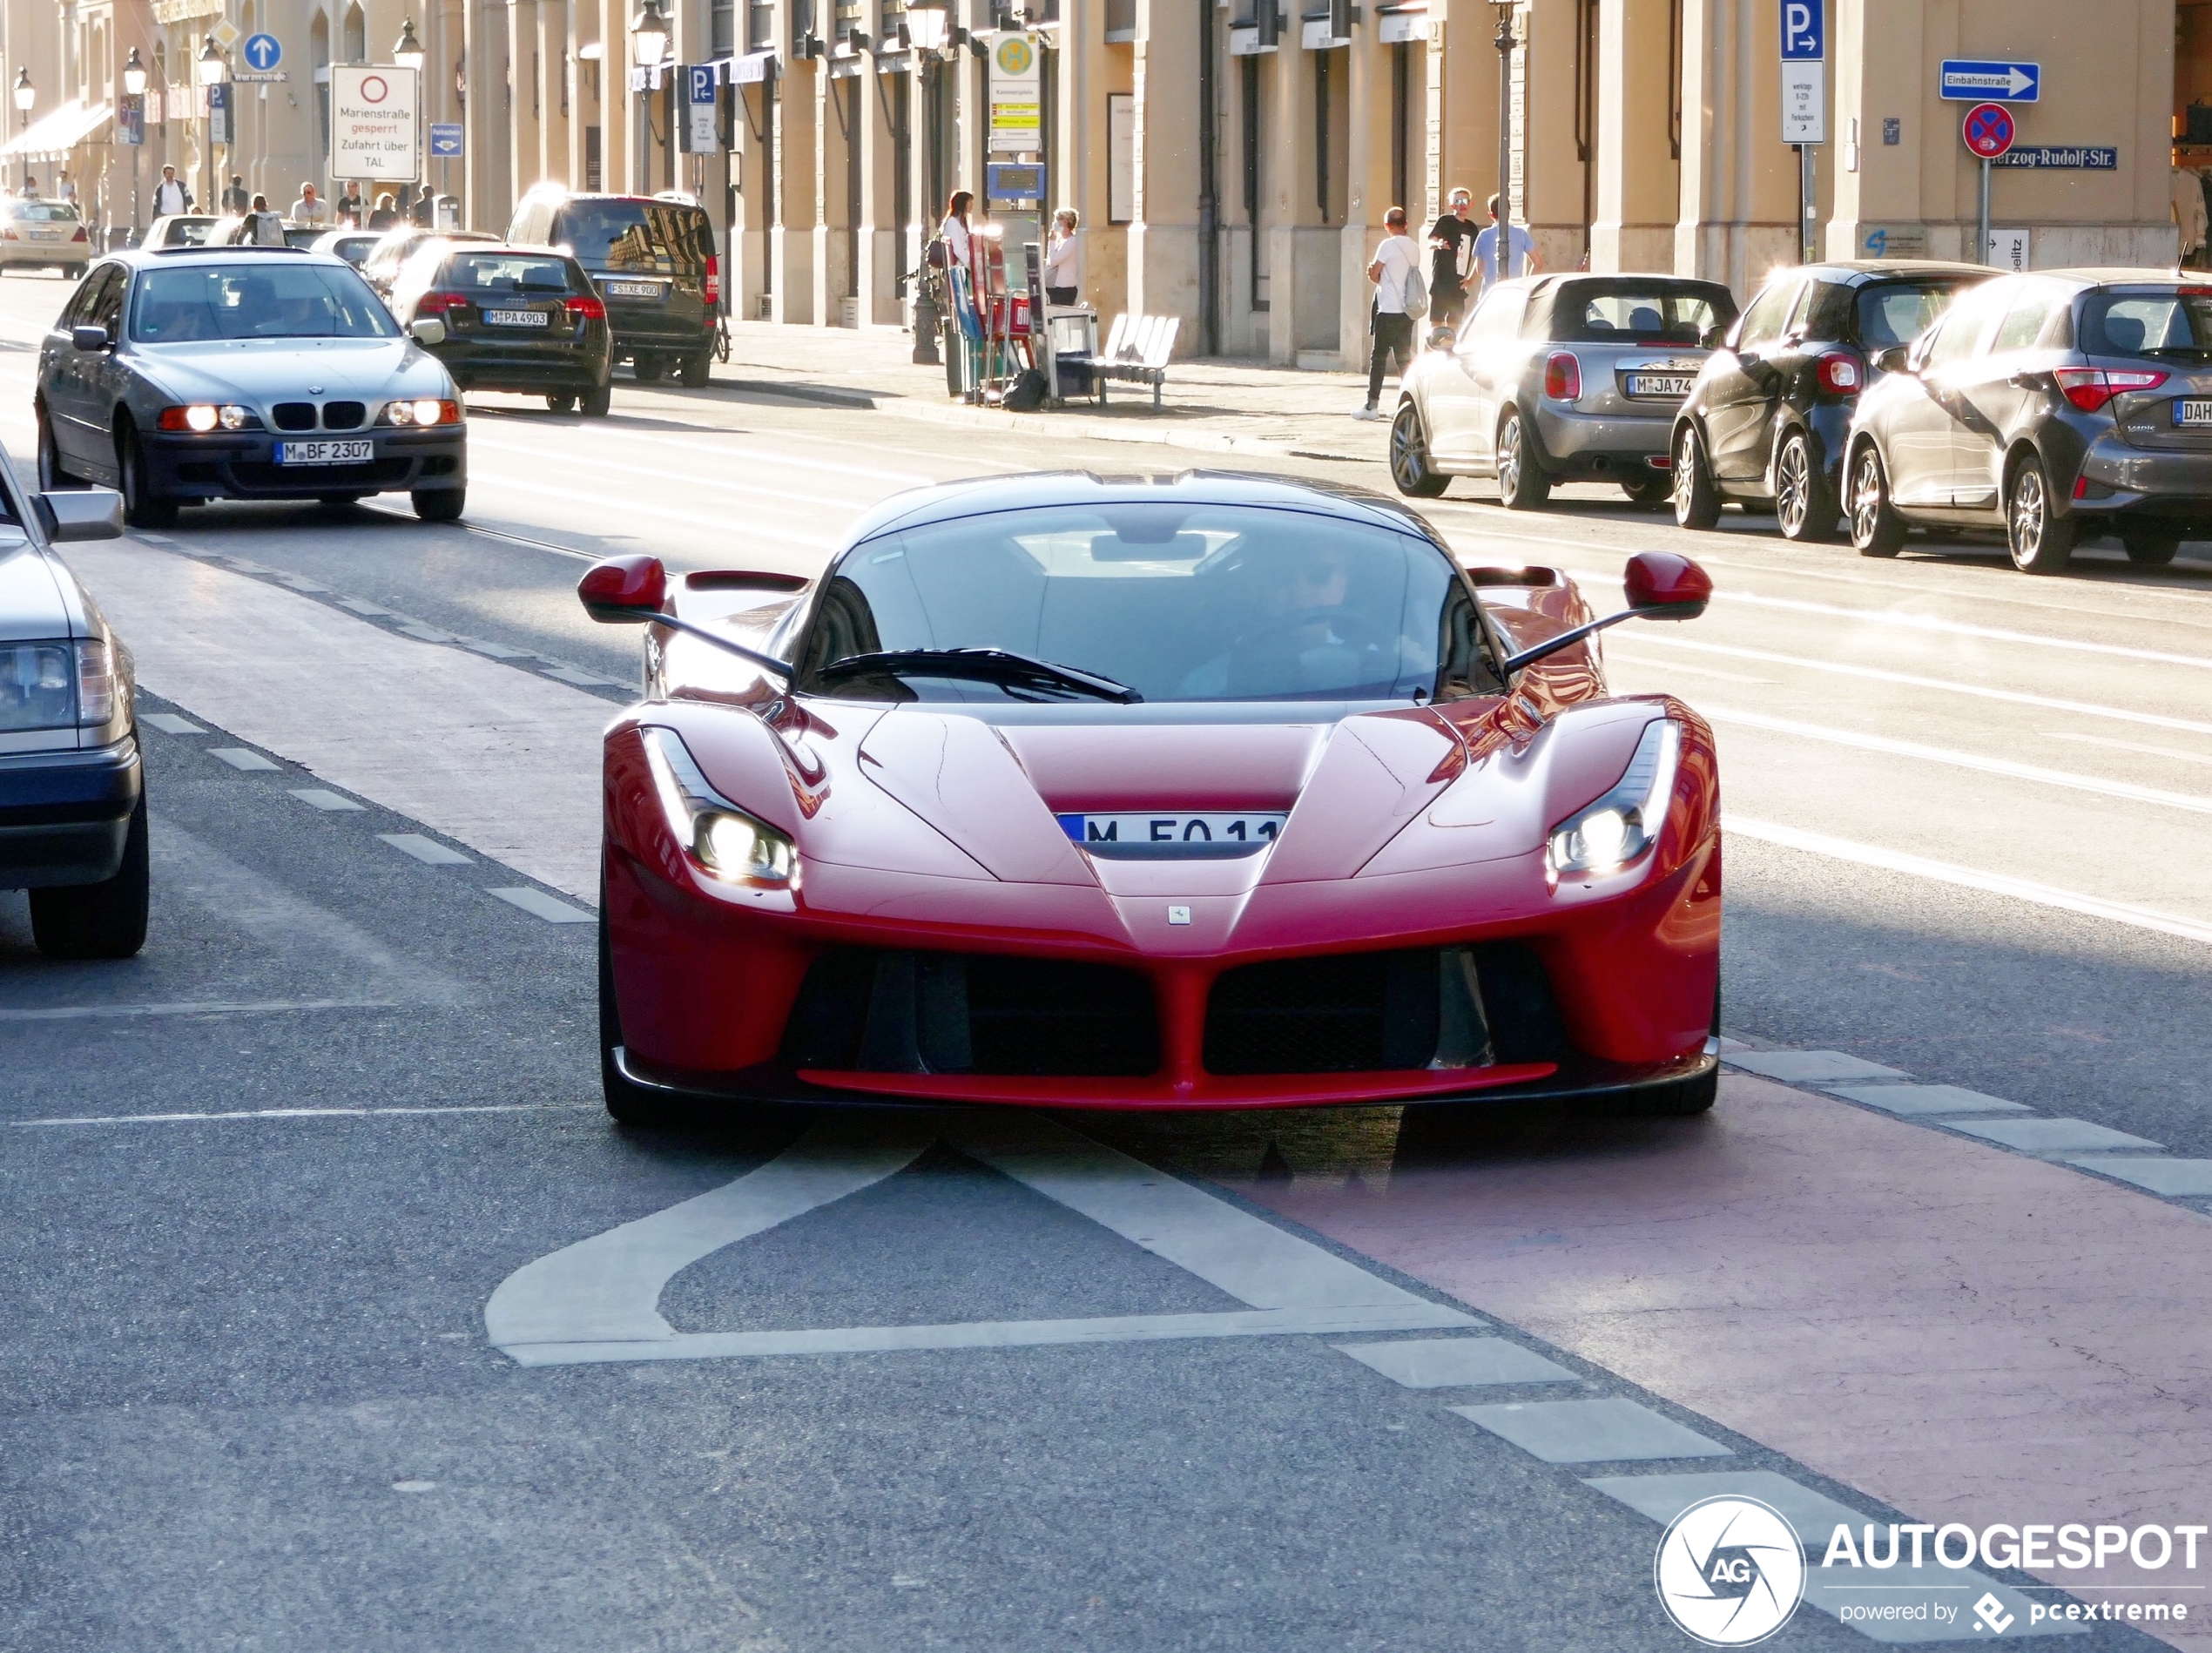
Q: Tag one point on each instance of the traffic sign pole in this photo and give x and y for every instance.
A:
(1805, 105)
(1988, 131)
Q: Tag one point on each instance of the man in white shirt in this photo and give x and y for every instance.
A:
(310, 207)
(170, 196)
(1520, 251)
(1397, 263)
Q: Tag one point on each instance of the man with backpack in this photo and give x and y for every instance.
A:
(1400, 300)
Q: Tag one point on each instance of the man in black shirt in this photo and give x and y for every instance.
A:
(1450, 259)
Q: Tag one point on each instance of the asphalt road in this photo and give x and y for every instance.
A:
(263, 1180)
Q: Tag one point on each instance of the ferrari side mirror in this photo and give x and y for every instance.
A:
(624, 590)
(1663, 585)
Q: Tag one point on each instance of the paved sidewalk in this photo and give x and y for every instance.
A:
(1208, 405)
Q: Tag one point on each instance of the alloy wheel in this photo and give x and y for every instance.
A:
(1685, 478)
(1509, 456)
(1408, 459)
(1866, 498)
(2030, 516)
(1792, 486)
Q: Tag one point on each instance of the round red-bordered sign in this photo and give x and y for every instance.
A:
(375, 89)
(1988, 130)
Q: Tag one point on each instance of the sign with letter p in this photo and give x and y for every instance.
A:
(1805, 32)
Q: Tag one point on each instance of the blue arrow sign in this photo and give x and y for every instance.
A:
(261, 51)
(1805, 32)
(1965, 80)
(445, 139)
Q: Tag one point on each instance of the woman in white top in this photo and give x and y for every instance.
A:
(961, 251)
(1064, 260)
(1396, 261)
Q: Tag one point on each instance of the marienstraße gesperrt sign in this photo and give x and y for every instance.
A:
(373, 130)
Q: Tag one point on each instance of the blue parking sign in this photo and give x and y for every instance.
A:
(445, 139)
(1805, 32)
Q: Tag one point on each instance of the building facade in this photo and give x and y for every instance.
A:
(1231, 159)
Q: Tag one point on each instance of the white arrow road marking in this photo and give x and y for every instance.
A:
(598, 1300)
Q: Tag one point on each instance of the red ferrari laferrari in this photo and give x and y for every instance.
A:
(1204, 791)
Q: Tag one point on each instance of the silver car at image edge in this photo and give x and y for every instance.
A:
(72, 793)
(1558, 379)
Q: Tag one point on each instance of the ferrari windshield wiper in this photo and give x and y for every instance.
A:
(985, 665)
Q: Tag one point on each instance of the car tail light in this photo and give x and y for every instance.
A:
(2194, 292)
(1563, 377)
(8, 233)
(587, 308)
(2090, 388)
(714, 282)
(1838, 374)
(80, 235)
(439, 303)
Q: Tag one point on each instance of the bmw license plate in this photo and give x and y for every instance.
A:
(2193, 413)
(516, 318)
(1672, 385)
(1165, 829)
(635, 290)
(324, 453)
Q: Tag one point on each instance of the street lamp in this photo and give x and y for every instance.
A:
(1505, 10)
(24, 97)
(648, 49)
(408, 54)
(134, 82)
(927, 28)
(211, 74)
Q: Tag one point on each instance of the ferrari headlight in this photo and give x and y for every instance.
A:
(721, 837)
(1605, 836)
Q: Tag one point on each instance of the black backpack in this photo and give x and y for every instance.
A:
(1026, 395)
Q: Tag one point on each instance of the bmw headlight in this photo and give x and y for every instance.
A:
(1607, 835)
(421, 410)
(730, 843)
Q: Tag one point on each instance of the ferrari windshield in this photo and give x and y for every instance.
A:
(263, 298)
(1169, 601)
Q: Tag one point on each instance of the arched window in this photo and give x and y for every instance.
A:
(356, 35)
(319, 60)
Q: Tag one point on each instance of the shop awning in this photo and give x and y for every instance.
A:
(59, 132)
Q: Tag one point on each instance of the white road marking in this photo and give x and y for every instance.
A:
(170, 723)
(2122, 789)
(320, 799)
(2175, 753)
(1614, 651)
(429, 851)
(1456, 1363)
(239, 757)
(190, 1007)
(598, 1300)
(2141, 918)
(307, 1113)
(502, 761)
(1611, 1429)
(1942, 686)
(635, 507)
(540, 904)
(770, 458)
(719, 484)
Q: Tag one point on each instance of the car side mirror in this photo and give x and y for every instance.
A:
(1442, 338)
(1664, 585)
(624, 590)
(91, 338)
(429, 331)
(80, 513)
(1897, 358)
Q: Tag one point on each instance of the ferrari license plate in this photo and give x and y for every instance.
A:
(2193, 413)
(1166, 829)
(324, 453)
(634, 289)
(1659, 384)
(516, 318)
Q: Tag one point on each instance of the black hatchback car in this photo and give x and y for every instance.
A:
(2057, 406)
(654, 263)
(519, 319)
(1764, 423)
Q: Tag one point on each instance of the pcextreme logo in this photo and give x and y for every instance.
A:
(1730, 1571)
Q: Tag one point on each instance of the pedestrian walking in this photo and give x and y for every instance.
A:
(235, 199)
(1063, 258)
(385, 213)
(65, 187)
(30, 187)
(1451, 259)
(1519, 255)
(350, 206)
(310, 208)
(170, 196)
(1396, 272)
(263, 227)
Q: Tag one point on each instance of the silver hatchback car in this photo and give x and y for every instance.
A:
(1558, 379)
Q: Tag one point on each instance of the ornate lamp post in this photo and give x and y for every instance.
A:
(210, 66)
(25, 96)
(134, 82)
(648, 50)
(408, 54)
(1505, 10)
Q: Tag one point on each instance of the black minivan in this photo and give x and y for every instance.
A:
(653, 261)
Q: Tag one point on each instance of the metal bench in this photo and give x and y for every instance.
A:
(1136, 352)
